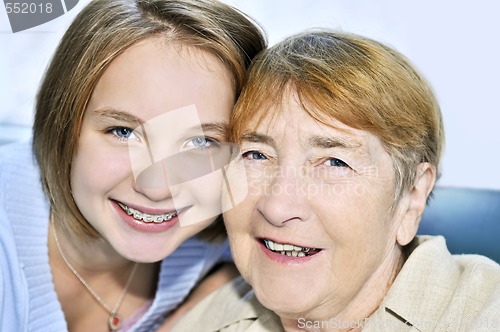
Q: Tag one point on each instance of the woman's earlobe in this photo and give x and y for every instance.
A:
(422, 187)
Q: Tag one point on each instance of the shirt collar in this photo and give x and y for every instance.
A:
(238, 303)
(411, 301)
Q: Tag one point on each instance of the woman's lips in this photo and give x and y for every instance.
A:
(289, 249)
(287, 253)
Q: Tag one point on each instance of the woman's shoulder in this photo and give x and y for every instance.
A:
(436, 290)
(232, 307)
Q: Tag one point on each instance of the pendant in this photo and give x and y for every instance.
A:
(114, 322)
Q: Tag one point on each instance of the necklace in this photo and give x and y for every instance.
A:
(114, 320)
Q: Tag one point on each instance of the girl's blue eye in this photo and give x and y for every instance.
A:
(254, 155)
(201, 142)
(335, 163)
(122, 132)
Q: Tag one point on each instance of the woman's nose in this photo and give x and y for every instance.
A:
(285, 199)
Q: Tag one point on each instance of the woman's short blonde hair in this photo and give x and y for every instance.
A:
(100, 33)
(358, 81)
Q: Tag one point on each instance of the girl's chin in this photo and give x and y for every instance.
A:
(150, 249)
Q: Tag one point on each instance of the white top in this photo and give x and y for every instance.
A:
(28, 301)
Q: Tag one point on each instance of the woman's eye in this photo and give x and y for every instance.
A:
(335, 163)
(254, 155)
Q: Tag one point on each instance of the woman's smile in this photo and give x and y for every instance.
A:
(289, 249)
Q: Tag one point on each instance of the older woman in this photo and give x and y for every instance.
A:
(341, 140)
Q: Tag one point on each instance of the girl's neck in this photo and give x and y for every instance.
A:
(105, 271)
(87, 255)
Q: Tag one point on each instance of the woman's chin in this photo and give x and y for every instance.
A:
(287, 302)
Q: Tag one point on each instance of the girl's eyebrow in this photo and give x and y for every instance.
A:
(119, 115)
(221, 128)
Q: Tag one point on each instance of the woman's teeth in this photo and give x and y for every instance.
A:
(289, 249)
(148, 218)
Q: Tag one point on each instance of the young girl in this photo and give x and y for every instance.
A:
(92, 205)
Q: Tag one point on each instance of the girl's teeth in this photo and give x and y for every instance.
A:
(147, 218)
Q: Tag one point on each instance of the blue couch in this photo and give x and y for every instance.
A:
(469, 219)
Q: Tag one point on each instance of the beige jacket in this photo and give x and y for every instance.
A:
(434, 291)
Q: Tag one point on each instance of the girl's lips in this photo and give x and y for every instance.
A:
(144, 209)
(147, 227)
(157, 218)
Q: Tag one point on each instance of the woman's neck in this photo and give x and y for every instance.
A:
(363, 305)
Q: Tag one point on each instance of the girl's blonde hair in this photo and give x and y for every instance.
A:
(100, 33)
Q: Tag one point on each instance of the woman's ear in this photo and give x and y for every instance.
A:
(421, 189)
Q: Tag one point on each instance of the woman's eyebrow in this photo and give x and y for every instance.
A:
(254, 137)
(326, 142)
(119, 115)
(351, 145)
